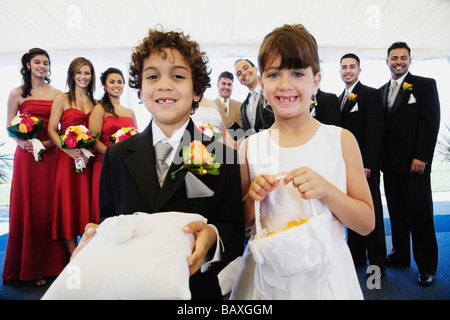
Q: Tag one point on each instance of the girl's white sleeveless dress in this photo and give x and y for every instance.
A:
(323, 154)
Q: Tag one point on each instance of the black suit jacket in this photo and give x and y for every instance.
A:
(129, 184)
(364, 118)
(412, 125)
(327, 109)
(264, 114)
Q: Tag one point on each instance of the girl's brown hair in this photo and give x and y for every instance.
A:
(156, 42)
(294, 44)
(26, 73)
(74, 66)
(105, 101)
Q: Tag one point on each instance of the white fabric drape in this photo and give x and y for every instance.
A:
(224, 28)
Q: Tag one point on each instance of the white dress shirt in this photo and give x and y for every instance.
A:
(252, 106)
(399, 82)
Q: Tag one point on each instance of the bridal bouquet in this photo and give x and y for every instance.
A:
(27, 127)
(210, 131)
(122, 134)
(79, 137)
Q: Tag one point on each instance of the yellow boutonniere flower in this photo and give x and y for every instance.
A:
(407, 86)
(352, 97)
(198, 160)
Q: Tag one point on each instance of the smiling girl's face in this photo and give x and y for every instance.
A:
(289, 91)
(39, 65)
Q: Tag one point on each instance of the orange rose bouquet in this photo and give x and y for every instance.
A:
(79, 137)
(198, 160)
(122, 134)
(27, 127)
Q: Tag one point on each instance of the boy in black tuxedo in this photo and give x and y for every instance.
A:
(170, 72)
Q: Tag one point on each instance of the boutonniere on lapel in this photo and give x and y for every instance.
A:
(352, 97)
(407, 86)
(198, 160)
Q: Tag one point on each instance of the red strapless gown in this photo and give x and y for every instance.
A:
(110, 125)
(31, 254)
(72, 202)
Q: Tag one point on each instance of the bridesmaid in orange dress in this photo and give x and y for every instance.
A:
(72, 201)
(107, 117)
(31, 255)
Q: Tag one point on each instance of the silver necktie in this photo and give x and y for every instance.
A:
(391, 95)
(162, 150)
(344, 100)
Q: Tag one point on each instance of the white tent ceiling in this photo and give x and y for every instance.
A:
(105, 31)
(224, 28)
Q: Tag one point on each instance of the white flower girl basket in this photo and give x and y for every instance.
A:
(296, 250)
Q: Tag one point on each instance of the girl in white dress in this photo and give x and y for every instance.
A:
(320, 162)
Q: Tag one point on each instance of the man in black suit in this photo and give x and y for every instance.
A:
(362, 115)
(170, 73)
(256, 113)
(412, 114)
(326, 108)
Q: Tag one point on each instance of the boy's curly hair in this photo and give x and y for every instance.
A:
(157, 41)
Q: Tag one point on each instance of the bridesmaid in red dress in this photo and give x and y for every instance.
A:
(72, 201)
(107, 117)
(31, 255)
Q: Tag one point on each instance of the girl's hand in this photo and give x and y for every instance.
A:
(309, 183)
(261, 186)
(25, 145)
(74, 153)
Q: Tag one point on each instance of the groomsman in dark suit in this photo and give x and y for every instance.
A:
(362, 114)
(256, 113)
(326, 108)
(170, 73)
(412, 111)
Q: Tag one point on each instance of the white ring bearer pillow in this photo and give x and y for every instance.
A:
(139, 256)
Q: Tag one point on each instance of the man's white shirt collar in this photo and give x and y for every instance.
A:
(400, 80)
(352, 87)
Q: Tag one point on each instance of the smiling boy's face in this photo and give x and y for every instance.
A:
(167, 89)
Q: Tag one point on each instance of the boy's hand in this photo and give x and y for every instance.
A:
(205, 238)
(89, 233)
